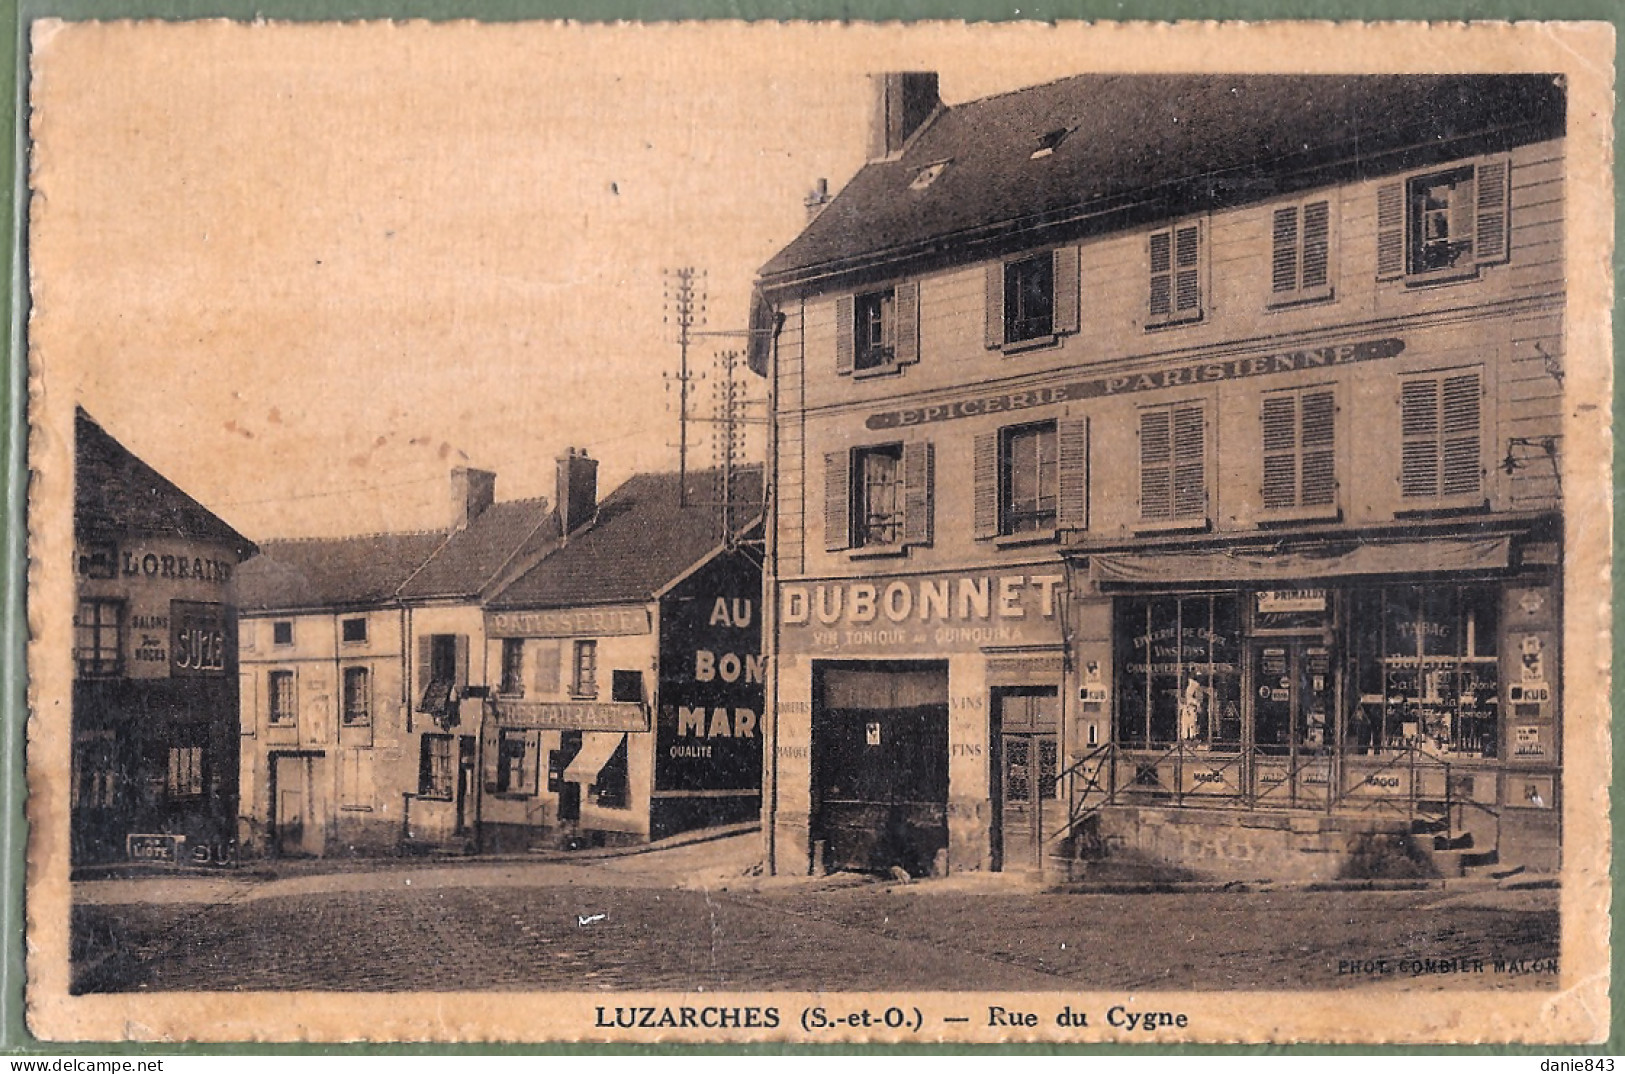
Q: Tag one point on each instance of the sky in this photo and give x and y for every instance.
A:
(305, 270)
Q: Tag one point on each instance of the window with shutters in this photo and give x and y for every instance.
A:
(879, 498)
(1300, 253)
(1444, 225)
(436, 777)
(1299, 457)
(1441, 434)
(1031, 480)
(878, 331)
(1032, 300)
(1175, 261)
(517, 755)
(442, 662)
(279, 689)
(357, 710)
(1173, 465)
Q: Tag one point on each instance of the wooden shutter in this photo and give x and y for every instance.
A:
(837, 500)
(1190, 462)
(1188, 271)
(248, 711)
(1316, 442)
(845, 333)
(462, 664)
(918, 494)
(1491, 237)
(1280, 419)
(1156, 465)
(1419, 437)
(1284, 260)
(1162, 275)
(993, 323)
(985, 478)
(906, 308)
(1065, 291)
(547, 667)
(1316, 259)
(425, 662)
(533, 762)
(1460, 408)
(1463, 213)
(1390, 231)
(1072, 453)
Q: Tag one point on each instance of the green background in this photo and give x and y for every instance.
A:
(15, 17)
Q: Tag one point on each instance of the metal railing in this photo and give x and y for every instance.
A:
(1406, 783)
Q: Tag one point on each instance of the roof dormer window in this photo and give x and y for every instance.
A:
(928, 175)
(1049, 143)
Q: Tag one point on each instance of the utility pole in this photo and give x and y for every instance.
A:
(684, 308)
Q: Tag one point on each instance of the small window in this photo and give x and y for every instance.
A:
(626, 686)
(877, 506)
(353, 630)
(280, 691)
(1173, 464)
(357, 697)
(98, 638)
(185, 776)
(1438, 218)
(435, 769)
(1441, 436)
(1028, 481)
(1300, 464)
(1300, 262)
(513, 668)
(1029, 299)
(517, 755)
(282, 632)
(1175, 258)
(584, 679)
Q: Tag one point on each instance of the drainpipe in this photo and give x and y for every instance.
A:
(770, 606)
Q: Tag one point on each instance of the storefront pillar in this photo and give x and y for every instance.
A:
(791, 742)
(969, 753)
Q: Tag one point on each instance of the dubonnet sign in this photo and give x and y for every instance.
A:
(957, 612)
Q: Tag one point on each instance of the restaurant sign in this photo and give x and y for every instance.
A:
(572, 715)
(1182, 376)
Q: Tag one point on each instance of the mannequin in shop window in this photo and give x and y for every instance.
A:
(1192, 710)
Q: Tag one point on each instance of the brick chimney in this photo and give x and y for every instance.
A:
(472, 491)
(817, 199)
(904, 100)
(577, 498)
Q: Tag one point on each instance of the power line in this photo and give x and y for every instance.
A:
(323, 495)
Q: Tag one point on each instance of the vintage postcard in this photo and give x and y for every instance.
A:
(827, 533)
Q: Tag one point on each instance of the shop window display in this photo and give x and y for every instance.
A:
(1180, 672)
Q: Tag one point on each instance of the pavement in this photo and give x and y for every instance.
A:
(698, 915)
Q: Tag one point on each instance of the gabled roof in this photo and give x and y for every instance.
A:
(116, 493)
(328, 573)
(1127, 148)
(640, 541)
(474, 557)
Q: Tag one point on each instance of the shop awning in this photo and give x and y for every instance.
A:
(596, 750)
(1331, 560)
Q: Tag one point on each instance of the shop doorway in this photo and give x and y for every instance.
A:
(1292, 695)
(298, 794)
(1026, 754)
(880, 764)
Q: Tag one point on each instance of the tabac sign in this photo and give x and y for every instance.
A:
(1122, 384)
(952, 612)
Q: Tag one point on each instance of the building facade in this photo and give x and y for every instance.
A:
(629, 673)
(155, 689)
(1171, 466)
(363, 681)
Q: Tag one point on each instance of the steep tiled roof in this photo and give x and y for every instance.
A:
(640, 541)
(115, 492)
(1133, 146)
(331, 572)
(473, 558)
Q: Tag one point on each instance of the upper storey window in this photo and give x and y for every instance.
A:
(1442, 225)
(877, 331)
(1175, 259)
(1032, 300)
(1300, 253)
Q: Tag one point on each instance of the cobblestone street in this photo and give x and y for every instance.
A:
(688, 920)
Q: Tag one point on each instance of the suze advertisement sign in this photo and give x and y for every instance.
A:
(708, 734)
